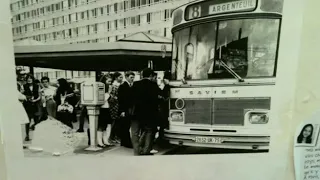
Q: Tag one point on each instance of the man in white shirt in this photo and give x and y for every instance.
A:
(48, 93)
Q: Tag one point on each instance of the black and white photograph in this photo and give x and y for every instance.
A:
(308, 136)
(146, 77)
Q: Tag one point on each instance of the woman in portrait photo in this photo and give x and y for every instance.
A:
(305, 136)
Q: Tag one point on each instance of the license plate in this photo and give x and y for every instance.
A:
(213, 140)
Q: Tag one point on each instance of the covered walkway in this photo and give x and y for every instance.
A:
(134, 53)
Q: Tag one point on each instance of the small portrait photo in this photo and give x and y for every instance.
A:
(308, 135)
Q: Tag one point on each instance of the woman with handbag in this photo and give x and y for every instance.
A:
(64, 92)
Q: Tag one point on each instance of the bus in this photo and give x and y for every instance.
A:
(224, 63)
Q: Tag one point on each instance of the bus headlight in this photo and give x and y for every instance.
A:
(179, 103)
(258, 117)
(176, 116)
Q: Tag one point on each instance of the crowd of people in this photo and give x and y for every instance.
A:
(133, 112)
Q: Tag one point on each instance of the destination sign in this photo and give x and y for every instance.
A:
(214, 7)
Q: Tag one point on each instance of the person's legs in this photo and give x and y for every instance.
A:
(149, 133)
(113, 132)
(124, 132)
(107, 130)
(106, 135)
(135, 136)
(102, 125)
(83, 115)
(36, 113)
(27, 129)
(51, 107)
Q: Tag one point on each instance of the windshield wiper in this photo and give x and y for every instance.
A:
(232, 72)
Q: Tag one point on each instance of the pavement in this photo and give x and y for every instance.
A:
(116, 150)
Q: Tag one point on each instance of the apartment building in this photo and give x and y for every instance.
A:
(89, 21)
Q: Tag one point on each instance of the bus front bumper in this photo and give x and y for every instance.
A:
(247, 142)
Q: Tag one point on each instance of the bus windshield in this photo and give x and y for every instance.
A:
(247, 46)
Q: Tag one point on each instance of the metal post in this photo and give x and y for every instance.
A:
(93, 112)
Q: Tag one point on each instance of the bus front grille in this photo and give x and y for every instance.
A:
(198, 111)
(221, 111)
(231, 111)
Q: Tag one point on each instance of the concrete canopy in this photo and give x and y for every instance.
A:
(131, 53)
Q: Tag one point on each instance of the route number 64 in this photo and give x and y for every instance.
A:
(195, 12)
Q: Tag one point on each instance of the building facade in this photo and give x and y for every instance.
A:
(89, 21)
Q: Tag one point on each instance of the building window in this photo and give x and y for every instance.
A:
(133, 3)
(95, 28)
(51, 75)
(115, 7)
(133, 20)
(76, 31)
(116, 24)
(101, 11)
(165, 32)
(54, 35)
(138, 19)
(76, 17)
(124, 22)
(76, 73)
(61, 74)
(82, 15)
(125, 5)
(148, 18)
(94, 12)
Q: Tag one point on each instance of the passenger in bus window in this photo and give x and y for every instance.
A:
(305, 135)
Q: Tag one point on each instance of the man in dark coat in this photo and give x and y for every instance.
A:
(164, 106)
(145, 101)
(125, 97)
